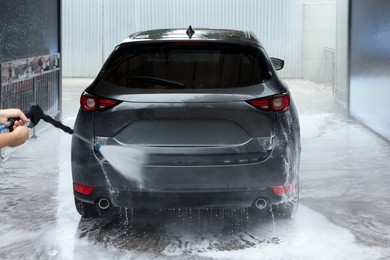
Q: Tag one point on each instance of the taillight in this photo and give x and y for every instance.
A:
(282, 190)
(93, 103)
(272, 103)
(83, 189)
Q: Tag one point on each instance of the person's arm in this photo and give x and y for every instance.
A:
(20, 133)
(15, 138)
(5, 114)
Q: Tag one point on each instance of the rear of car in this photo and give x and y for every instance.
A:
(214, 124)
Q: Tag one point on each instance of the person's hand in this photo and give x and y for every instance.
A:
(20, 135)
(5, 114)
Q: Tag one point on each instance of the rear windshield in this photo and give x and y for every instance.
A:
(185, 66)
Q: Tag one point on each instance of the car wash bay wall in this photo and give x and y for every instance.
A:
(30, 54)
(369, 64)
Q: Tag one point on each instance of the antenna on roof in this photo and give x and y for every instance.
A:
(190, 32)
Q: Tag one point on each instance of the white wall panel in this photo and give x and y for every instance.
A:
(81, 37)
(319, 32)
(92, 28)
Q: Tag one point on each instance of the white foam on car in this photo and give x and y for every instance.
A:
(128, 161)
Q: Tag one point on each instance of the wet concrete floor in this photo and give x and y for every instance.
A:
(344, 177)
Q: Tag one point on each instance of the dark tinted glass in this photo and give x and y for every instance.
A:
(185, 66)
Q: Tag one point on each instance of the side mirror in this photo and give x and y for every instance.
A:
(278, 63)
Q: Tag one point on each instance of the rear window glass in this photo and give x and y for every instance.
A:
(185, 66)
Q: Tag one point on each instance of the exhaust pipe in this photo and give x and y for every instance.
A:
(261, 203)
(103, 203)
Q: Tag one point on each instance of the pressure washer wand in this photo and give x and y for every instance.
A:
(35, 114)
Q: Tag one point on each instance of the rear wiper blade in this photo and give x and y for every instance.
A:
(158, 81)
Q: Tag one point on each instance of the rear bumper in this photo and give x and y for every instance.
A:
(216, 186)
(196, 186)
(180, 199)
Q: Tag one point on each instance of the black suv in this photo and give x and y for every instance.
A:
(201, 120)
